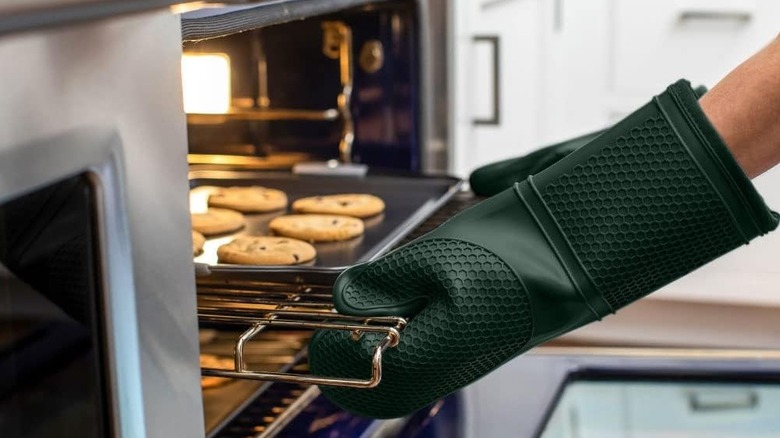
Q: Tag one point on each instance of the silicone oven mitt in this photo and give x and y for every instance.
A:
(493, 178)
(644, 203)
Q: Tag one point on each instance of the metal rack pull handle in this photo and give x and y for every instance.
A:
(341, 322)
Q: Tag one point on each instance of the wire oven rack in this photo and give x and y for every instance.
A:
(260, 305)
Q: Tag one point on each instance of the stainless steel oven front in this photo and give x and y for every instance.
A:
(98, 310)
(98, 331)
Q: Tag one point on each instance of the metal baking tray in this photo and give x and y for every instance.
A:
(409, 200)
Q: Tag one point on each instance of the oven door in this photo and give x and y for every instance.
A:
(68, 338)
(77, 257)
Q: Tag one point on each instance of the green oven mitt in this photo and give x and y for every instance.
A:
(646, 202)
(493, 178)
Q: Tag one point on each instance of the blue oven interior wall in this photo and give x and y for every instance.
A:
(385, 104)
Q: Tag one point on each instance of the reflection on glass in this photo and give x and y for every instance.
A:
(613, 409)
(50, 345)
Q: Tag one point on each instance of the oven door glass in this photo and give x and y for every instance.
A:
(659, 409)
(52, 378)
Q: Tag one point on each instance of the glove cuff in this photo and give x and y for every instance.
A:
(759, 216)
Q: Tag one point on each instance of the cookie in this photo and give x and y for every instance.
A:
(253, 199)
(211, 361)
(197, 243)
(355, 205)
(264, 250)
(317, 227)
(217, 221)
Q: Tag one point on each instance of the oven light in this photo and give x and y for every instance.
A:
(206, 83)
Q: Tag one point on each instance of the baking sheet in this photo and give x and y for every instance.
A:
(409, 200)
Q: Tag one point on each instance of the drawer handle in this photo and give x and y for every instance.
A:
(715, 15)
(720, 401)
(495, 118)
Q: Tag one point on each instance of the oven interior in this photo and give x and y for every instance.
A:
(341, 86)
(322, 105)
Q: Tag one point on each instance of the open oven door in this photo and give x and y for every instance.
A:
(98, 329)
(68, 320)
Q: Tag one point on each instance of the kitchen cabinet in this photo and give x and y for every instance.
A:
(733, 410)
(655, 43)
(568, 67)
(565, 392)
(495, 76)
(544, 60)
(655, 409)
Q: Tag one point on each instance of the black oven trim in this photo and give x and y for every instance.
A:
(218, 22)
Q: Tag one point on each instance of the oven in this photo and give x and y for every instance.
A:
(98, 326)
(116, 119)
(335, 102)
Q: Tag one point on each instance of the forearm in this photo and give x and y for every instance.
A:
(744, 107)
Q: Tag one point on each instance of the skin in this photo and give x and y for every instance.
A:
(744, 107)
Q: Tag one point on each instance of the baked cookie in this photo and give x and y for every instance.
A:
(217, 221)
(355, 205)
(197, 243)
(264, 250)
(317, 227)
(211, 361)
(253, 199)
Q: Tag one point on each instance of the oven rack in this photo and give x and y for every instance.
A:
(260, 305)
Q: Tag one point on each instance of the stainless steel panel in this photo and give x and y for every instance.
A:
(25, 15)
(97, 153)
(124, 74)
(434, 79)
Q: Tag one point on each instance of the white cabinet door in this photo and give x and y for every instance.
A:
(576, 66)
(496, 75)
(656, 42)
(700, 410)
(605, 58)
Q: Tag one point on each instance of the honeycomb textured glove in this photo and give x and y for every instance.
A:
(639, 206)
(493, 178)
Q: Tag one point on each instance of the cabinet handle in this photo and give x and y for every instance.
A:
(715, 401)
(494, 42)
(558, 15)
(715, 15)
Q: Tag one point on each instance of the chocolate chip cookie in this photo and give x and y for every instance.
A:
(317, 227)
(265, 250)
(252, 199)
(217, 221)
(197, 243)
(350, 204)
